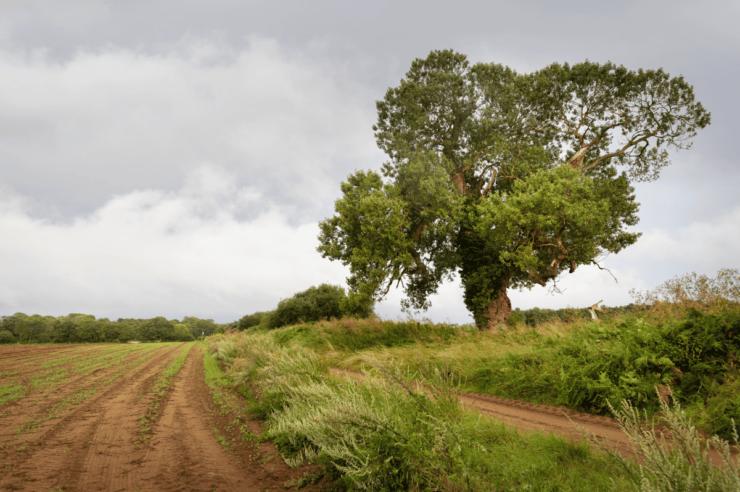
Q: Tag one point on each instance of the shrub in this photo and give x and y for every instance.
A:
(252, 320)
(695, 290)
(702, 347)
(6, 337)
(321, 302)
(722, 408)
(356, 305)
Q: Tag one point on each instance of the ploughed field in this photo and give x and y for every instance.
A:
(120, 417)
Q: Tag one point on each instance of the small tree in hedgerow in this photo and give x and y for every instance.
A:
(506, 179)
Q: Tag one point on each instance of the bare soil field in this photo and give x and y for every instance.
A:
(72, 418)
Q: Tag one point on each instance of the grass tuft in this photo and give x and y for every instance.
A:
(676, 457)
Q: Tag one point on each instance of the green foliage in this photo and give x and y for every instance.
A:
(156, 329)
(253, 320)
(367, 231)
(593, 209)
(721, 412)
(354, 335)
(507, 179)
(6, 337)
(702, 347)
(313, 304)
(356, 305)
(321, 302)
(601, 363)
(81, 328)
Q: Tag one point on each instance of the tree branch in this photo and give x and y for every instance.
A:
(594, 262)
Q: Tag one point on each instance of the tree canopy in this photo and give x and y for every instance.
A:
(506, 179)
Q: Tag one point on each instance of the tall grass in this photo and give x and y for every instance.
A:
(677, 458)
(350, 334)
(582, 365)
(380, 434)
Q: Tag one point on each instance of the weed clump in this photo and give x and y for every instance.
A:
(677, 457)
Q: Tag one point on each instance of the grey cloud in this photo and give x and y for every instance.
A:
(152, 252)
(104, 123)
(351, 50)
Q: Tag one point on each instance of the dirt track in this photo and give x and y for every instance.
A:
(571, 425)
(87, 434)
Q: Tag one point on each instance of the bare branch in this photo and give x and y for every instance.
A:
(594, 262)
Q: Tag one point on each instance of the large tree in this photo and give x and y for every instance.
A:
(506, 179)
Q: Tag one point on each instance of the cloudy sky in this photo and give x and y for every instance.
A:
(174, 157)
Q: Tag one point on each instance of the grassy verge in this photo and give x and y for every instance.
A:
(160, 390)
(379, 434)
(216, 380)
(582, 365)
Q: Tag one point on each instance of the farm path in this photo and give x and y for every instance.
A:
(98, 443)
(573, 426)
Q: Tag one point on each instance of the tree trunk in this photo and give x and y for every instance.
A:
(498, 310)
(458, 180)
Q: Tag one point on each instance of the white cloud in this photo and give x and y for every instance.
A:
(703, 246)
(153, 252)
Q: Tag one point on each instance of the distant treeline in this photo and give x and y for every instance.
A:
(76, 328)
